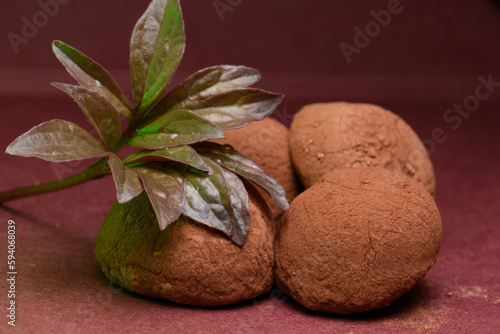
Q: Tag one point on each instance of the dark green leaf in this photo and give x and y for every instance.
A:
(203, 84)
(179, 127)
(237, 108)
(100, 113)
(182, 154)
(127, 182)
(156, 48)
(91, 75)
(57, 141)
(166, 194)
(234, 161)
(209, 200)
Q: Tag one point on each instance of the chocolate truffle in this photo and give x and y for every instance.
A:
(326, 136)
(188, 262)
(356, 240)
(266, 142)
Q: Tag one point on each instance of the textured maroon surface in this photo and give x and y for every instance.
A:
(425, 61)
(61, 288)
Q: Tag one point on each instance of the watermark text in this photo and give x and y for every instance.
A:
(363, 37)
(11, 272)
(223, 6)
(31, 26)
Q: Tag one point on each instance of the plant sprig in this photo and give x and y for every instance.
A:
(180, 172)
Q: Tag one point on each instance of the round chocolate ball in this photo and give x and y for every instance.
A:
(188, 262)
(325, 136)
(356, 240)
(266, 142)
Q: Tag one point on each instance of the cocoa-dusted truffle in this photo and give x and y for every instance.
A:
(326, 136)
(356, 240)
(266, 142)
(188, 262)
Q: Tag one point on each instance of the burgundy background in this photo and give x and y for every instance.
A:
(428, 58)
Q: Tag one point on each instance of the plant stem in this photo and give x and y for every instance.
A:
(97, 170)
(128, 133)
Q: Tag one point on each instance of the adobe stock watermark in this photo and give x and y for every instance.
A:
(11, 273)
(31, 25)
(223, 6)
(455, 115)
(363, 37)
(283, 115)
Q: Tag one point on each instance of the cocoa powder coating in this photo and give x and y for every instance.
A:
(266, 142)
(188, 262)
(325, 136)
(356, 240)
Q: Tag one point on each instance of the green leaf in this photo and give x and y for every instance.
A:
(156, 48)
(166, 194)
(91, 75)
(241, 207)
(181, 154)
(209, 200)
(237, 108)
(127, 182)
(227, 157)
(57, 141)
(101, 114)
(179, 127)
(203, 84)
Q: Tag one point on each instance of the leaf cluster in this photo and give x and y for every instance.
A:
(181, 173)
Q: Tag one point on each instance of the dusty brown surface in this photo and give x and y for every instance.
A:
(357, 240)
(187, 263)
(266, 142)
(326, 136)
